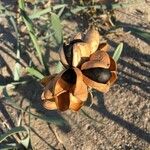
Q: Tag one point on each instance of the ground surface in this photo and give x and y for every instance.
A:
(122, 115)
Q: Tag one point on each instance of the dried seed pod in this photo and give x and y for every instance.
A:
(113, 77)
(92, 38)
(93, 64)
(113, 66)
(62, 101)
(75, 103)
(69, 54)
(50, 105)
(102, 57)
(79, 89)
(103, 47)
(100, 75)
(47, 94)
(98, 86)
(69, 76)
(84, 49)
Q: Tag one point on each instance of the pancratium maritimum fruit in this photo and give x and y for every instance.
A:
(87, 64)
(65, 91)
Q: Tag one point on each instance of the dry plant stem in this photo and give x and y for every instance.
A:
(7, 126)
(91, 97)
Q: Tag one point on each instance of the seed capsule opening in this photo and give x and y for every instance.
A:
(100, 75)
(69, 76)
(68, 50)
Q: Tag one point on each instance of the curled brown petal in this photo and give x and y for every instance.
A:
(104, 47)
(59, 84)
(92, 38)
(84, 49)
(63, 101)
(49, 105)
(75, 103)
(113, 77)
(79, 89)
(76, 56)
(102, 57)
(94, 64)
(113, 66)
(98, 86)
(47, 79)
(47, 94)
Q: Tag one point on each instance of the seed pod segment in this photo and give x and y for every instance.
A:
(92, 38)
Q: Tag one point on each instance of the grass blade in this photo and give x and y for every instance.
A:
(59, 6)
(26, 141)
(118, 52)
(34, 72)
(142, 34)
(39, 13)
(30, 29)
(56, 27)
(11, 132)
(11, 146)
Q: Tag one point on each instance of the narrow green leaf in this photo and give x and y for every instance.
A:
(34, 72)
(77, 9)
(57, 28)
(30, 29)
(11, 146)
(39, 13)
(143, 34)
(59, 6)
(61, 11)
(118, 52)
(59, 67)
(17, 69)
(11, 132)
(26, 141)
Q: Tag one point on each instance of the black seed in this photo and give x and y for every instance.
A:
(69, 76)
(68, 50)
(76, 41)
(100, 75)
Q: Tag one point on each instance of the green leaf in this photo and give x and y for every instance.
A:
(59, 67)
(143, 34)
(57, 28)
(61, 11)
(26, 141)
(42, 12)
(11, 132)
(17, 69)
(30, 29)
(59, 6)
(34, 72)
(77, 9)
(118, 52)
(10, 146)
(39, 13)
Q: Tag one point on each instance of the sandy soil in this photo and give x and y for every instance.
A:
(120, 119)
